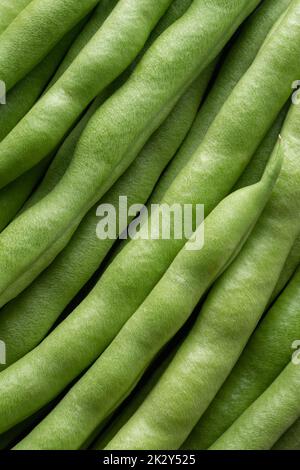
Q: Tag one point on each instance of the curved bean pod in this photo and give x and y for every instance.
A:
(139, 106)
(9, 10)
(134, 402)
(157, 320)
(103, 59)
(13, 196)
(41, 25)
(101, 13)
(256, 270)
(291, 264)
(236, 63)
(26, 320)
(22, 97)
(289, 440)
(262, 424)
(257, 165)
(263, 359)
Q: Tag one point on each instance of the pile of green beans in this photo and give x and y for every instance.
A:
(151, 91)
(149, 225)
(187, 279)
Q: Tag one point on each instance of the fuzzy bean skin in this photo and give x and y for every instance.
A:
(134, 402)
(65, 153)
(25, 321)
(22, 97)
(101, 13)
(239, 58)
(9, 10)
(35, 31)
(12, 197)
(262, 424)
(100, 62)
(157, 320)
(291, 264)
(247, 285)
(290, 440)
(257, 165)
(139, 106)
(265, 356)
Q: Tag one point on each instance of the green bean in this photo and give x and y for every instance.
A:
(101, 13)
(139, 107)
(227, 319)
(143, 389)
(262, 424)
(22, 97)
(156, 321)
(65, 154)
(9, 10)
(41, 25)
(265, 356)
(256, 167)
(289, 440)
(134, 401)
(12, 197)
(291, 264)
(38, 307)
(243, 294)
(236, 63)
(103, 59)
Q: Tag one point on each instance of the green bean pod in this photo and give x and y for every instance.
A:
(26, 320)
(13, 196)
(290, 440)
(99, 16)
(243, 293)
(265, 356)
(237, 61)
(139, 106)
(157, 320)
(100, 62)
(34, 32)
(134, 402)
(9, 10)
(257, 165)
(22, 97)
(262, 424)
(289, 269)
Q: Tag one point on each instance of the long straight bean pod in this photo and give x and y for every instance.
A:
(240, 56)
(139, 106)
(65, 154)
(290, 440)
(157, 320)
(27, 319)
(100, 62)
(35, 31)
(289, 269)
(265, 356)
(263, 423)
(9, 10)
(23, 96)
(243, 293)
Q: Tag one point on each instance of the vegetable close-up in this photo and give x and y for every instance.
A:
(149, 228)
